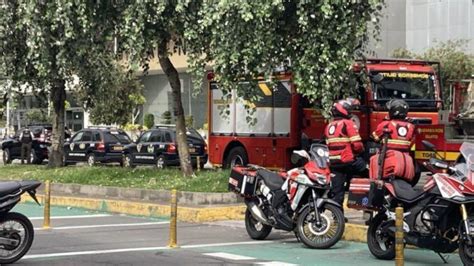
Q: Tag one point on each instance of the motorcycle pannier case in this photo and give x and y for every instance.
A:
(242, 180)
(365, 194)
(397, 165)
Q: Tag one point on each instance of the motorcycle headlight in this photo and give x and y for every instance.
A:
(303, 179)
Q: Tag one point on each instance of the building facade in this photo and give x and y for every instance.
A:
(418, 24)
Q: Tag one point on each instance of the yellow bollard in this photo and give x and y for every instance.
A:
(173, 219)
(47, 204)
(399, 234)
(198, 163)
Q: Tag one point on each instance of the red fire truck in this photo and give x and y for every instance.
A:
(287, 121)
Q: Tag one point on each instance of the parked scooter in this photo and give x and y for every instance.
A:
(16, 230)
(439, 216)
(296, 200)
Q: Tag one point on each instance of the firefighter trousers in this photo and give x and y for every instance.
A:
(343, 174)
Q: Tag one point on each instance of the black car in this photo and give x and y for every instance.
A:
(93, 145)
(158, 147)
(11, 146)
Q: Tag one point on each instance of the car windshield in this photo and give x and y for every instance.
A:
(417, 89)
(193, 134)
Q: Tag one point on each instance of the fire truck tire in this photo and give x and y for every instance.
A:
(236, 156)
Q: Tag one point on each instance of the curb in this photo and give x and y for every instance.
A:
(186, 214)
(352, 232)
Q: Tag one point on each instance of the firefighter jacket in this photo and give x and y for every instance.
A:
(343, 140)
(400, 134)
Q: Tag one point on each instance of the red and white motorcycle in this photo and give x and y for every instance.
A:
(439, 216)
(296, 200)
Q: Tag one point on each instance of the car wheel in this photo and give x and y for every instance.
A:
(7, 159)
(128, 161)
(160, 162)
(236, 156)
(91, 159)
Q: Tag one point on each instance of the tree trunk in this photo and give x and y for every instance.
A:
(181, 138)
(58, 98)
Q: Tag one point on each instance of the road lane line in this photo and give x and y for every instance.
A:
(72, 216)
(122, 250)
(228, 256)
(99, 226)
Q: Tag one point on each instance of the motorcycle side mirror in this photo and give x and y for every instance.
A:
(298, 158)
(377, 78)
(428, 145)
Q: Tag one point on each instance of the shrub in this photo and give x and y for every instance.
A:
(149, 120)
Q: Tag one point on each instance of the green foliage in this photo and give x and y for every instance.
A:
(455, 62)
(166, 117)
(38, 116)
(114, 101)
(149, 178)
(149, 120)
(247, 39)
(189, 120)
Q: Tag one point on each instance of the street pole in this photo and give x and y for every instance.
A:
(173, 220)
(47, 205)
(399, 252)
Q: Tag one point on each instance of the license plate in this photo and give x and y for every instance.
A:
(192, 150)
(118, 148)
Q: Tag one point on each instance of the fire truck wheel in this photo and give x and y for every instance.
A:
(236, 156)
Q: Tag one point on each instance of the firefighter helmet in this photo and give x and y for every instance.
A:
(397, 109)
(341, 108)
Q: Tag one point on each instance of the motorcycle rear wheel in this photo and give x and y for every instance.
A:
(255, 229)
(382, 246)
(326, 235)
(24, 234)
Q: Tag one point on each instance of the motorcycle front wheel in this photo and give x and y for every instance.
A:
(324, 235)
(255, 229)
(466, 252)
(18, 230)
(381, 244)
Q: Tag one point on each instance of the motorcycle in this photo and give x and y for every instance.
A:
(439, 216)
(16, 230)
(296, 200)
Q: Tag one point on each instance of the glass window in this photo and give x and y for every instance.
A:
(97, 137)
(145, 137)
(168, 137)
(87, 136)
(78, 136)
(155, 136)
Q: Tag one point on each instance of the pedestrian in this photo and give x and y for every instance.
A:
(26, 139)
(345, 145)
(399, 130)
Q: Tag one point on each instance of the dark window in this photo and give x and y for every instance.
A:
(155, 136)
(97, 136)
(78, 136)
(145, 137)
(87, 136)
(168, 137)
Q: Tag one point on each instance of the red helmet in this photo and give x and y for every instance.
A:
(341, 108)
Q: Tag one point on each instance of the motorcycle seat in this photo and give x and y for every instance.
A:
(405, 192)
(8, 188)
(271, 179)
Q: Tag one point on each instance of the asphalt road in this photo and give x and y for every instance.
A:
(79, 237)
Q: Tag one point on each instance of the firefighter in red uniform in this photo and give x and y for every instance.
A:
(400, 131)
(344, 144)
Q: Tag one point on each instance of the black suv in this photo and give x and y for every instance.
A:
(158, 147)
(95, 145)
(11, 146)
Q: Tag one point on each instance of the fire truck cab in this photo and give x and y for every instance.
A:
(287, 121)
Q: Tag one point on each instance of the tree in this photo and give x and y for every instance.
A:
(48, 45)
(149, 120)
(245, 39)
(455, 62)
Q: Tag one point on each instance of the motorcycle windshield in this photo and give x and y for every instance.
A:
(467, 151)
(320, 154)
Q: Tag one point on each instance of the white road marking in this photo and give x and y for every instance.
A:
(122, 250)
(275, 263)
(99, 226)
(228, 256)
(72, 217)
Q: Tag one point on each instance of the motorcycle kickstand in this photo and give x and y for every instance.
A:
(297, 236)
(443, 258)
